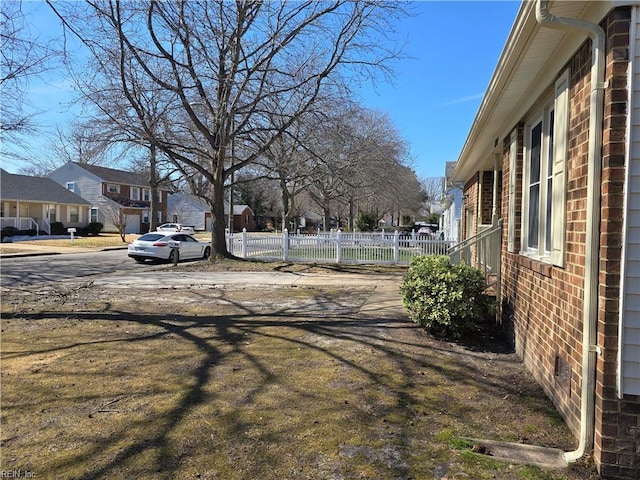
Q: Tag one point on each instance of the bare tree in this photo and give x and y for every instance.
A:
(221, 65)
(433, 188)
(358, 152)
(22, 58)
(115, 215)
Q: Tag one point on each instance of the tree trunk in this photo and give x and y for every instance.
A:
(285, 206)
(327, 219)
(351, 215)
(216, 202)
(153, 183)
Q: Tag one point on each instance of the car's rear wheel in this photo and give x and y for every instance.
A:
(174, 256)
(207, 253)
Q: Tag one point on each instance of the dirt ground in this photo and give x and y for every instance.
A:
(269, 383)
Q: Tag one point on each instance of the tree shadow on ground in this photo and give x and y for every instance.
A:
(328, 328)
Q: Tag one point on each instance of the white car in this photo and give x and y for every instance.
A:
(175, 227)
(165, 246)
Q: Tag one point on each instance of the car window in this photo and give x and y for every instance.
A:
(150, 237)
(184, 238)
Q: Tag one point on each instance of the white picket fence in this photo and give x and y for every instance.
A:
(338, 247)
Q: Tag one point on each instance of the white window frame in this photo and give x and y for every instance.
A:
(113, 188)
(93, 214)
(134, 193)
(513, 178)
(146, 194)
(549, 243)
(71, 186)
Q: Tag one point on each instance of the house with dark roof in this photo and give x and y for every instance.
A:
(115, 196)
(34, 203)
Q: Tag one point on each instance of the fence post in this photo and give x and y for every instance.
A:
(244, 243)
(396, 247)
(285, 245)
(230, 243)
(339, 246)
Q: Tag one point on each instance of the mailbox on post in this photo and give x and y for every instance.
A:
(71, 232)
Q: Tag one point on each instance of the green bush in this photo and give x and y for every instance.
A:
(57, 228)
(366, 222)
(94, 228)
(447, 299)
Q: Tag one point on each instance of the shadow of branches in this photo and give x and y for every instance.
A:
(310, 354)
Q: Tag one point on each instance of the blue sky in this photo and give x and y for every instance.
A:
(453, 48)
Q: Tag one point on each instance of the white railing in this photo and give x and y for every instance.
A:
(338, 247)
(21, 223)
(482, 251)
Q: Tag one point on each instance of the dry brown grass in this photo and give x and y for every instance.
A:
(281, 383)
(100, 241)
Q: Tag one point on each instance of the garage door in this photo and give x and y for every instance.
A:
(133, 224)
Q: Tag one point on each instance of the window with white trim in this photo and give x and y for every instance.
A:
(93, 215)
(513, 178)
(544, 184)
(113, 188)
(71, 186)
(135, 193)
(146, 194)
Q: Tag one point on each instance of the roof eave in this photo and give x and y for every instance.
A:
(506, 101)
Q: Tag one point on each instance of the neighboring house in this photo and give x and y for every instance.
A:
(189, 210)
(451, 204)
(34, 203)
(112, 194)
(192, 210)
(554, 151)
(242, 218)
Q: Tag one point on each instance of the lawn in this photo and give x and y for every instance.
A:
(269, 383)
(100, 241)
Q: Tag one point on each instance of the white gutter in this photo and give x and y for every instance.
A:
(590, 348)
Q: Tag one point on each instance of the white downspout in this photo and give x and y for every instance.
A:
(590, 348)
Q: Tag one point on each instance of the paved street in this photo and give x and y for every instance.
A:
(16, 271)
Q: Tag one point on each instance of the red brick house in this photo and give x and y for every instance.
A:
(552, 161)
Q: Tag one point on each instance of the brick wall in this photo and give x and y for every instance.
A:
(542, 305)
(486, 202)
(617, 442)
(469, 206)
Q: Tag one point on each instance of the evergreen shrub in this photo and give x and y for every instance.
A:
(94, 228)
(447, 299)
(57, 228)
